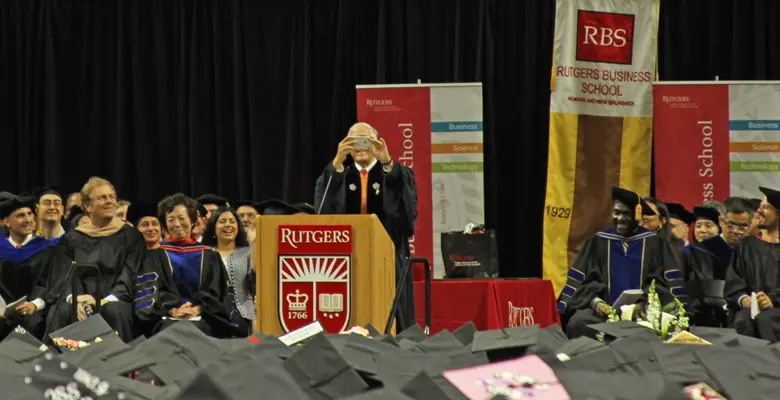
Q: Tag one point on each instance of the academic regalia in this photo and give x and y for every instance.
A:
(23, 272)
(609, 264)
(118, 257)
(753, 268)
(392, 196)
(179, 273)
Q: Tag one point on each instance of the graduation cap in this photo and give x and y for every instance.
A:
(579, 384)
(48, 190)
(504, 344)
(465, 334)
(622, 329)
(755, 204)
(306, 208)
(136, 211)
(444, 341)
(8, 206)
(772, 196)
(413, 333)
(678, 211)
(85, 330)
(244, 203)
(209, 198)
(202, 211)
(707, 213)
(276, 207)
(632, 200)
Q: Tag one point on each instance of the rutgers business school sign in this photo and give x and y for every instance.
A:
(315, 276)
(715, 140)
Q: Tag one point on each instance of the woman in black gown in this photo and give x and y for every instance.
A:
(183, 280)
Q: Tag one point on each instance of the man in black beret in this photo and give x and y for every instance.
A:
(623, 257)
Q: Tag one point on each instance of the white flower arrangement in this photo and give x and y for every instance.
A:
(664, 324)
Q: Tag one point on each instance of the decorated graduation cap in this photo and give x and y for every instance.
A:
(212, 199)
(772, 196)
(9, 205)
(632, 200)
(678, 211)
(136, 211)
(276, 207)
(707, 213)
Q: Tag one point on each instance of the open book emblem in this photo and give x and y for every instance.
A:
(314, 288)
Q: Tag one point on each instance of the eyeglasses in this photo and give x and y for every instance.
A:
(248, 215)
(734, 227)
(50, 203)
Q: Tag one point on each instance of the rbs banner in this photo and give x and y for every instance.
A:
(715, 140)
(600, 119)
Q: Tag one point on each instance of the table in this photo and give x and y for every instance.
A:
(488, 303)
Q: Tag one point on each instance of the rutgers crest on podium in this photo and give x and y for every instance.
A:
(315, 267)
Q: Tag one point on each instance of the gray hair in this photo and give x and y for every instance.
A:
(715, 206)
(374, 133)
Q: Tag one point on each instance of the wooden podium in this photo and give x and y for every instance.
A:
(338, 269)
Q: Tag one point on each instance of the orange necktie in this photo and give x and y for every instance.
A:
(363, 191)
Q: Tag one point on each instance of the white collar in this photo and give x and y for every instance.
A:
(26, 240)
(360, 168)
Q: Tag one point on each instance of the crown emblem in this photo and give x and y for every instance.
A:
(297, 301)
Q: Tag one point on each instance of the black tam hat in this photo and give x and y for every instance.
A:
(772, 196)
(212, 199)
(677, 210)
(48, 190)
(707, 213)
(632, 200)
(276, 207)
(136, 211)
(8, 206)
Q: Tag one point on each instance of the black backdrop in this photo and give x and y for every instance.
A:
(249, 98)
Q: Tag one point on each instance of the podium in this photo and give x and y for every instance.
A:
(337, 269)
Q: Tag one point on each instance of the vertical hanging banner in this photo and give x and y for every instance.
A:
(604, 60)
(714, 140)
(436, 130)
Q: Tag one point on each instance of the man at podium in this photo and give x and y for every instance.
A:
(364, 179)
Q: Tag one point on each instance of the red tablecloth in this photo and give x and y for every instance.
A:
(489, 304)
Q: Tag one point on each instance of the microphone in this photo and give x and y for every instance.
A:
(325, 195)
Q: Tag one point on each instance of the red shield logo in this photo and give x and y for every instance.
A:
(315, 266)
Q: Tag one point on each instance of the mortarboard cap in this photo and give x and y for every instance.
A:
(422, 386)
(17, 356)
(48, 190)
(319, 368)
(86, 330)
(503, 344)
(136, 211)
(21, 334)
(306, 208)
(615, 385)
(465, 334)
(212, 199)
(202, 211)
(742, 373)
(372, 331)
(622, 329)
(579, 347)
(244, 203)
(678, 211)
(413, 333)
(707, 213)
(632, 200)
(772, 196)
(276, 207)
(8, 206)
(442, 342)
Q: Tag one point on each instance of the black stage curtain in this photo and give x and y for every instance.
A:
(249, 98)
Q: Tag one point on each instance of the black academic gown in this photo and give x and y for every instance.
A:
(176, 274)
(393, 198)
(118, 258)
(609, 264)
(707, 261)
(23, 272)
(755, 267)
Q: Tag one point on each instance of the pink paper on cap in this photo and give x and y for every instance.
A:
(470, 380)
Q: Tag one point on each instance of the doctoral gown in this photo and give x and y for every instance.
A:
(23, 272)
(707, 261)
(609, 264)
(392, 196)
(176, 274)
(118, 258)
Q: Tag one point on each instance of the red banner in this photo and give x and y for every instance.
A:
(691, 143)
(315, 276)
(402, 116)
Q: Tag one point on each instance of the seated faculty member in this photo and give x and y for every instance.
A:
(50, 210)
(754, 269)
(370, 182)
(144, 217)
(184, 280)
(616, 259)
(24, 260)
(115, 248)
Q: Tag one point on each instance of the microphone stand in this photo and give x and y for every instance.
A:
(325, 194)
(71, 279)
(399, 293)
